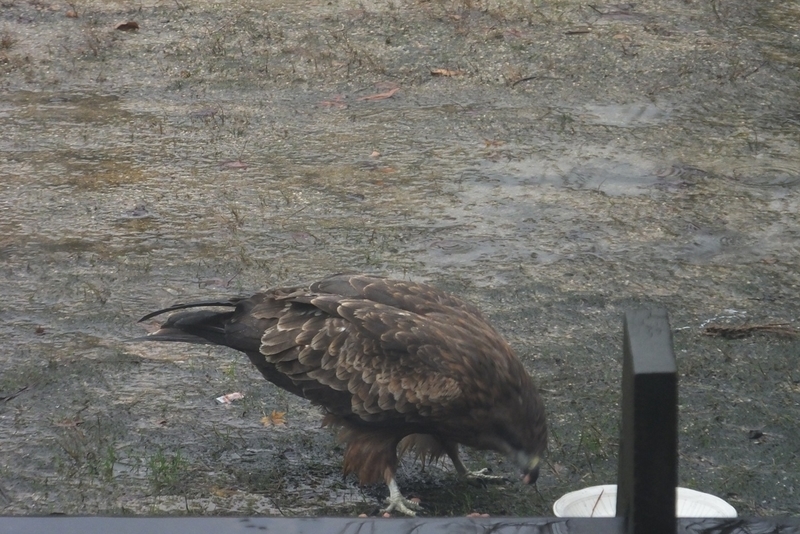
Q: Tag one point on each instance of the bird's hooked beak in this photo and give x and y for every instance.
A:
(528, 464)
(531, 471)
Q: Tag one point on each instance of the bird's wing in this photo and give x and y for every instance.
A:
(379, 362)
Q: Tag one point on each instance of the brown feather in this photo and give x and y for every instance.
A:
(425, 448)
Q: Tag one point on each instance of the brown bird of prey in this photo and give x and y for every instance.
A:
(393, 364)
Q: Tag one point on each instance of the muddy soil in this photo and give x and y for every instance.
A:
(554, 162)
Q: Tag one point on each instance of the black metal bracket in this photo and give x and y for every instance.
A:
(648, 457)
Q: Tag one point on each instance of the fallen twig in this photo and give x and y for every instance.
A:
(10, 396)
(746, 330)
(379, 96)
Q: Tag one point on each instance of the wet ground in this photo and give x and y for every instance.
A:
(554, 162)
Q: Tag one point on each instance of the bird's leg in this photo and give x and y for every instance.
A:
(482, 475)
(397, 502)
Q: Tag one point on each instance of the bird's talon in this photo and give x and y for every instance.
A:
(483, 476)
(402, 505)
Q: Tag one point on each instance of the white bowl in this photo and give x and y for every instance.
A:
(601, 501)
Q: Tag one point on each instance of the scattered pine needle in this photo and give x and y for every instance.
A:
(276, 418)
(747, 330)
(577, 30)
(379, 96)
(6, 398)
(597, 502)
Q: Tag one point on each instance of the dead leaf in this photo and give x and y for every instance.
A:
(223, 492)
(128, 26)
(493, 142)
(275, 418)
(379, 96)
(375, 154)
(236, 164)
(72, 14)
(447, 72)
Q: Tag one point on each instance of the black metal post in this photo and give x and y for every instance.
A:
(648, 457)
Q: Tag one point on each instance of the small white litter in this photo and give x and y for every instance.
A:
(229, 398)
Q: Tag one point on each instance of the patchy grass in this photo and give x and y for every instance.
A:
(167, 472)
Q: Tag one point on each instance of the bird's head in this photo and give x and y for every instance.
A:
(526, 435)
(529, 464)
(519, 432)
(513, 422)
